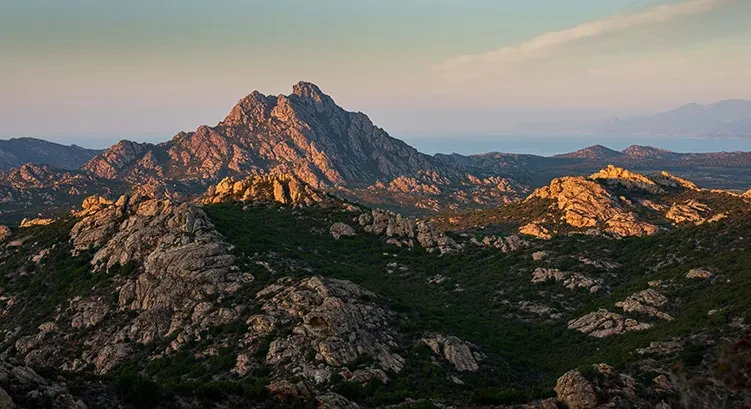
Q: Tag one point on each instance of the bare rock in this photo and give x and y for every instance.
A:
(406, 231)
(338, 230)
(334, 323)
(539, 309)
(6, 402)
(461, 354)
(576, 391)
(505, 244)
(539, 255)
(587, 204)
(690, 212)
(627, 179)
(645, 302)
(536, 230)
(603, 323)
(569, 280)
(4, 232)
(699, 273)
(334, 401)
(661, 348)
(26, 223)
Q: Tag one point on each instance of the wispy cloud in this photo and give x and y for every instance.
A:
(549, 42)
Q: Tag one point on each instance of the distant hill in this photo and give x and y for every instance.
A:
(598, 152)
(15, 152)
(729, 118)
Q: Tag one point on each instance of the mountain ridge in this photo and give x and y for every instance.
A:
(15, 152)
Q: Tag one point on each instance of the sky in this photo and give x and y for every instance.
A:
(92, 72)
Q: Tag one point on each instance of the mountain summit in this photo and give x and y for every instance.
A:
(304, 133)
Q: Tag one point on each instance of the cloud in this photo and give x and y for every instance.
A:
(549, 42)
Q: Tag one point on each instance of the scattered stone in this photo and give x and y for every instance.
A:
(506, 245)
(436, 279)
(539, 309)
(699, 273)
(661, 348)
(570, 280)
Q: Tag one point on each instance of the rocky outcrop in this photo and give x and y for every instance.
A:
(4, 232)
(338, 230)
(539, 310)
(569, 280)
(535, 229)
(576, 391)
(22, 387)
(699, 273)
(585, 204)
(668, 180)
(26, 223)
(181, 267)
(618, 176)
(608, 389)
(333, 324)
(689, 212)
(404, 231)
(463, 355)
(645, 302)
(505, 244)
(615, 202)
(603, 323)
(281, 188)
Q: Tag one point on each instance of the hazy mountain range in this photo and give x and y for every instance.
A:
(724, 119)
(17, 151)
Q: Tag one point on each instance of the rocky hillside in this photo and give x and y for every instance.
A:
(613, 202)
(15, 152)
(39, 190)
(272, 293)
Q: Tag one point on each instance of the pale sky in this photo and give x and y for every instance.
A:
(95, 71)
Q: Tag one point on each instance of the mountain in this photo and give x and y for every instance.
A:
(729, 118)
(305, 134)
(15, 152)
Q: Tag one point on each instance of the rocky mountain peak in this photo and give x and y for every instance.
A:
(109, 164)
(308, 90)
(254, 107)
(304, 134)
